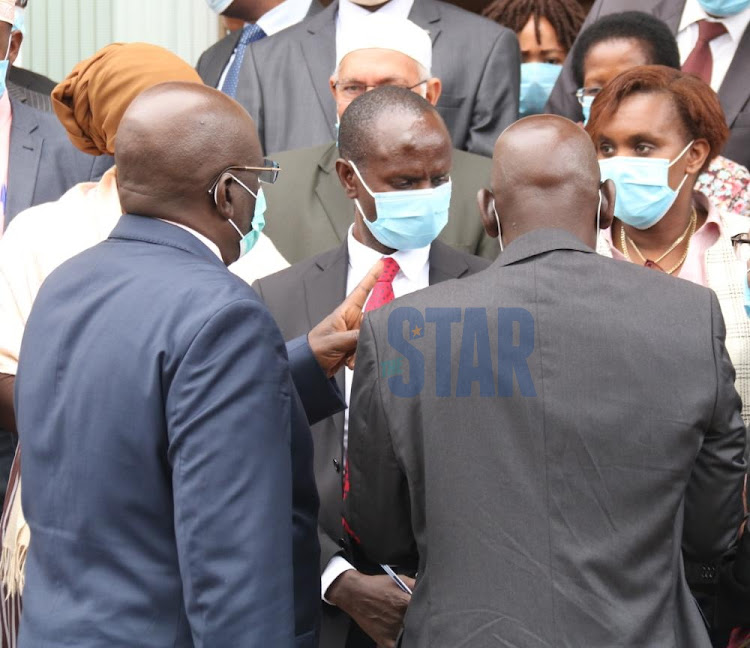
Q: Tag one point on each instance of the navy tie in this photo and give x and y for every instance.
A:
(250, 34)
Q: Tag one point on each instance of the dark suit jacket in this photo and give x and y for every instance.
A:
(309, 212)
(284, 79)
(43, 164)
(29, 97)
(32, 81)
(212, 62)
(298, 298)
(165, 450)
(734, 92)
(547, 507)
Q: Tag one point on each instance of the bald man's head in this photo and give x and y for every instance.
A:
(545, 174)
(173, 142)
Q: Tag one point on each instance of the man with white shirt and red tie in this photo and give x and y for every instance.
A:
(219, 66)
(714, 43)
(395, 162)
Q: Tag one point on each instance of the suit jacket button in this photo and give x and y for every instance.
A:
(337, 465)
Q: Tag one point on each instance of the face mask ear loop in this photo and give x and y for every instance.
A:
(359, 175)
(598, 215)
(499, 230)
(685, 150)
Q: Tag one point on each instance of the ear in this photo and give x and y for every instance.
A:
(225, 198)
(332, 86)
(16, 38)
(347, 178)
(608, 204)
(696, 155)
(434, 88)
(487, 214)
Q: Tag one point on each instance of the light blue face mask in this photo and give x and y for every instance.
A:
(219, 6)
(537, 81)
(407, 220)
(642, 185)
(19, 20)
(4, 65)
(747, 296)
(586, 107)
(724, 7)
(248, 241)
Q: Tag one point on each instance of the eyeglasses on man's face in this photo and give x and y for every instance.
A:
(581, 93)
(353, 89)
(267, 174)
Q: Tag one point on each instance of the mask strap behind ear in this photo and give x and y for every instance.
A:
(359, 175)
(599, 214)
(690, 143)
(499, 229)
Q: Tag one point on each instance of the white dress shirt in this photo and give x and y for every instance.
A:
(414, 274)
(723, 48)
(288, 13)
(349, 11)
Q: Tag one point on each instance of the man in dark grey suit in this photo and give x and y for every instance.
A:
(551, 441)
(309, 212)
(213, 63)
(386, 133)
(733, 91)
(283, 80)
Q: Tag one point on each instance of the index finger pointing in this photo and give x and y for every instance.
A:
(358, 297)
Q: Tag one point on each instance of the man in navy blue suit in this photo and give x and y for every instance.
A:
(167, 466)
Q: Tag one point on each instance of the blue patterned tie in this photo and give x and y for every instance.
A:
(250, 34)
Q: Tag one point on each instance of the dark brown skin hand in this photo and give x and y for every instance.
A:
(334, 340)
(375, 602)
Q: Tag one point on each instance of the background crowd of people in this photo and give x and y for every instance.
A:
(478, 374)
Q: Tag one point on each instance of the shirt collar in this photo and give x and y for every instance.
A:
(398, 8)
(736, 25)
(363, 258)
(207, 242)
(288, 13)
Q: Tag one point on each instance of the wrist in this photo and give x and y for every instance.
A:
(341, 592)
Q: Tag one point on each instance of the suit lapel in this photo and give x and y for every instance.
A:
(445, 263)
(670, 12)
(319, 53)
(25, 153)
(426, 14)
(338, 208)
(735, 89)
(325, 289)
(220, 58)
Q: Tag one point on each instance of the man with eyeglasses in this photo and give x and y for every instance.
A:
(167, 464)
(395, 170)
(283, 78)
(309, 211)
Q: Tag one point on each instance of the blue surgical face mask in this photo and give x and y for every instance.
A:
(724, 7)
(747, 295)
(219, 6)
(407, 220)
(4, 65)
(537, 81)
(337, 126)
(643, 194)
(586, 107)
(19, 20)
(248, 241)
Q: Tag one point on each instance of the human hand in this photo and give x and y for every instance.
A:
(334, 340)
(376, 603)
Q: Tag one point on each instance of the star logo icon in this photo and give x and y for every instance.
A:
(416, 332)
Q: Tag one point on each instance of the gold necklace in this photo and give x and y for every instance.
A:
(624, 240)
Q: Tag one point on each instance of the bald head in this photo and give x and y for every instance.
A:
(174, 139)
(545, 174)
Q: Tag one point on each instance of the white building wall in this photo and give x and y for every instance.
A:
(60, 33)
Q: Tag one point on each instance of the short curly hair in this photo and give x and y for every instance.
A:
(565, 16)
(654, 36)
(697, 104)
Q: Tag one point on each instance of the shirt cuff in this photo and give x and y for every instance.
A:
(336, 566)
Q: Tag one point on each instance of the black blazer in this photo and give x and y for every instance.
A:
(298, 298)
(734, 92)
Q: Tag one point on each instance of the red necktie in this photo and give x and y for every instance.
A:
(700, 62)
(382, 293)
